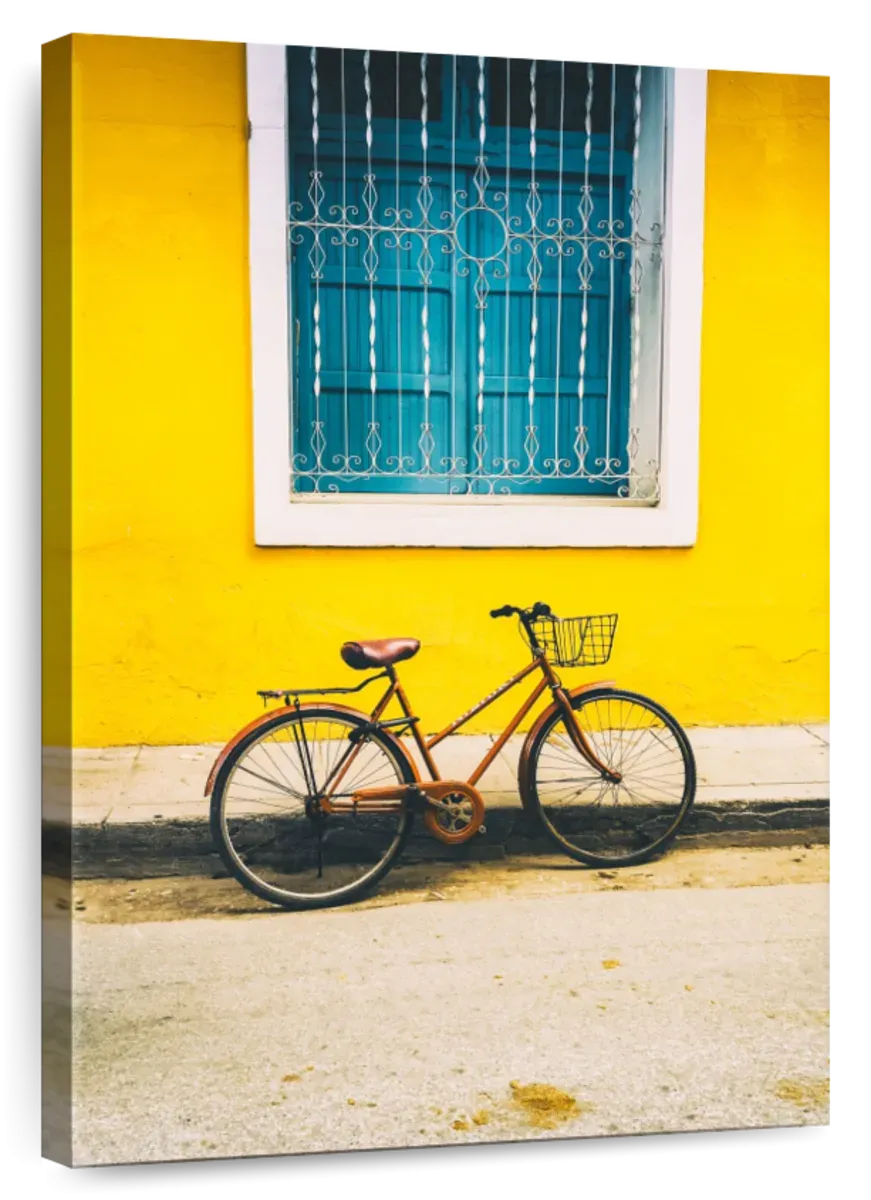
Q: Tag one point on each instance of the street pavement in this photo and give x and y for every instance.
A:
(490, 1019)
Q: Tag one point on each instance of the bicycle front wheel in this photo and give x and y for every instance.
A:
(268, 823)
(613, 824)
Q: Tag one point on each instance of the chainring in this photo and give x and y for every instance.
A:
(454, 812)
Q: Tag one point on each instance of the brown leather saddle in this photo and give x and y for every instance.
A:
(383, 652)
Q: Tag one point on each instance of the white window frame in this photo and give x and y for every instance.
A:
(284, 519)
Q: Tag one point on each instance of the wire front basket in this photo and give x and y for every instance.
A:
(576, 641)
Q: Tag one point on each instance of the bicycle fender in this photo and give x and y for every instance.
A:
(546, 714)
(266, 717)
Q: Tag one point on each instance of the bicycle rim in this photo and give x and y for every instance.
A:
(621, 822)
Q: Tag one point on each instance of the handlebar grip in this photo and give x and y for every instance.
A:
(505, 611)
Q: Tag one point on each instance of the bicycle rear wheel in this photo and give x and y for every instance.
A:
(613, 824)
(268, 823)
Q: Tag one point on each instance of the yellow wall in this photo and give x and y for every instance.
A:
(178, 617)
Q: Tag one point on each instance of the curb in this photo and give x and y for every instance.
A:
(184, 847)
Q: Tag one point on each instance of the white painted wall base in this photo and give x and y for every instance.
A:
(149, 783)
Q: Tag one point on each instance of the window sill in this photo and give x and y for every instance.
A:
(378, 521)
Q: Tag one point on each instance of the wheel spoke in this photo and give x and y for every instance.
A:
(287, 791)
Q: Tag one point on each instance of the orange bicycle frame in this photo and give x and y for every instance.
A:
(389, 796)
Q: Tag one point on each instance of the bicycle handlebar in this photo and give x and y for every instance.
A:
(530, 614)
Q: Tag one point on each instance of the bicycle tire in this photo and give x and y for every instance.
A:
(283, 897)
(534, 783)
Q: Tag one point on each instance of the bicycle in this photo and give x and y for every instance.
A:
(312, 803)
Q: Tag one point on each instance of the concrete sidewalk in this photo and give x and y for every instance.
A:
(132, 804)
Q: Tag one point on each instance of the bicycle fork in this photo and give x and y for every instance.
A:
(576, 734)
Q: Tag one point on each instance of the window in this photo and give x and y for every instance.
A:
(480, 263)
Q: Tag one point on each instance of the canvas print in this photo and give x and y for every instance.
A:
(435, 623)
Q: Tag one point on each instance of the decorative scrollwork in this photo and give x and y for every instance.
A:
(485, 257)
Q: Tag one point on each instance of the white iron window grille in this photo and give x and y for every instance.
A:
(475, 256)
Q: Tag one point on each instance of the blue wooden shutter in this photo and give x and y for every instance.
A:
(370, 291)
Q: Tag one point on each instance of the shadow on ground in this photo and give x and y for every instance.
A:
(126, 901)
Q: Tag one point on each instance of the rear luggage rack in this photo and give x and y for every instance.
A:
(291, 695)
